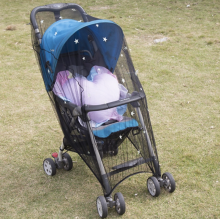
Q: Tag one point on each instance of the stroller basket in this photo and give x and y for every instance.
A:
(98, 100)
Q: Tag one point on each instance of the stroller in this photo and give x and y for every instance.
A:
(98, 100)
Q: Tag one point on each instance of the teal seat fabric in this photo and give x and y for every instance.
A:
(106, 130)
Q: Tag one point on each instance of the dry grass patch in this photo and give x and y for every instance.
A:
(10, 28)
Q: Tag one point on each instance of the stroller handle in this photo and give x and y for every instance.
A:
(135, 96)
(54, 8)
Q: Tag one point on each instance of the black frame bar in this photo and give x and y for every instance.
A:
(54, 8)
(132, 99)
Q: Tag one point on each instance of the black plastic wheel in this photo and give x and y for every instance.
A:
(102, 207)
(49, 167)
(169, 182)
(68, 163)
(153, 186)
(119, 203)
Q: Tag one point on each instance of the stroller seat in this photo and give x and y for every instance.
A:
(99, 87)
(105, 131)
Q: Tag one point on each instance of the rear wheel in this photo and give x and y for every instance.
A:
(68, 163)
(49, 167)
(153, 186)
(102, 207)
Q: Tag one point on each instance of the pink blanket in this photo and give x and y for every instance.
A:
(100, 87)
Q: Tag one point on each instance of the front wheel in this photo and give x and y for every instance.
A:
(102, 207)
(49, 167)
(153, 186)
(169, 182)
(119, 203)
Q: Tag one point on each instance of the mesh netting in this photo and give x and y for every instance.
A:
(82, 78)
(46, 18)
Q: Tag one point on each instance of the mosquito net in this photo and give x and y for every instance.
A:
(89, 64)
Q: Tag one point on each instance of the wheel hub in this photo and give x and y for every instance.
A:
(47, 167)
(66, 164)
(99, 207)
(151, 187)
(117, 205)
(167, 184)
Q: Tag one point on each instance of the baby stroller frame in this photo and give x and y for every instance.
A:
(75, 135)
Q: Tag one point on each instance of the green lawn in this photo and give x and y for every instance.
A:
(181, 80)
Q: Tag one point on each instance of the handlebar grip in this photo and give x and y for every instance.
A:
(54, 8)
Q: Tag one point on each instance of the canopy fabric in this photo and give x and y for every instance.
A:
(60, 35)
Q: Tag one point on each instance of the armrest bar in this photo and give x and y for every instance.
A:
(65, 103)
(133, 98)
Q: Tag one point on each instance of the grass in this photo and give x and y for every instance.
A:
(181, 80)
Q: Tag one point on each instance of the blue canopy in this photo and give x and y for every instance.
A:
(72, 35)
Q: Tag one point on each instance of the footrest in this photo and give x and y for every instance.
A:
(127, 165)
(130, 163)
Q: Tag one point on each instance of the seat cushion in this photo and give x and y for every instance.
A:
(105, 130)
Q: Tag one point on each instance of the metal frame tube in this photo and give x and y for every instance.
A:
(151, 151)
(60, 154)
(99, 160)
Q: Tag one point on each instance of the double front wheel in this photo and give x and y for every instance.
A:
(103, 203)
(154, 184)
